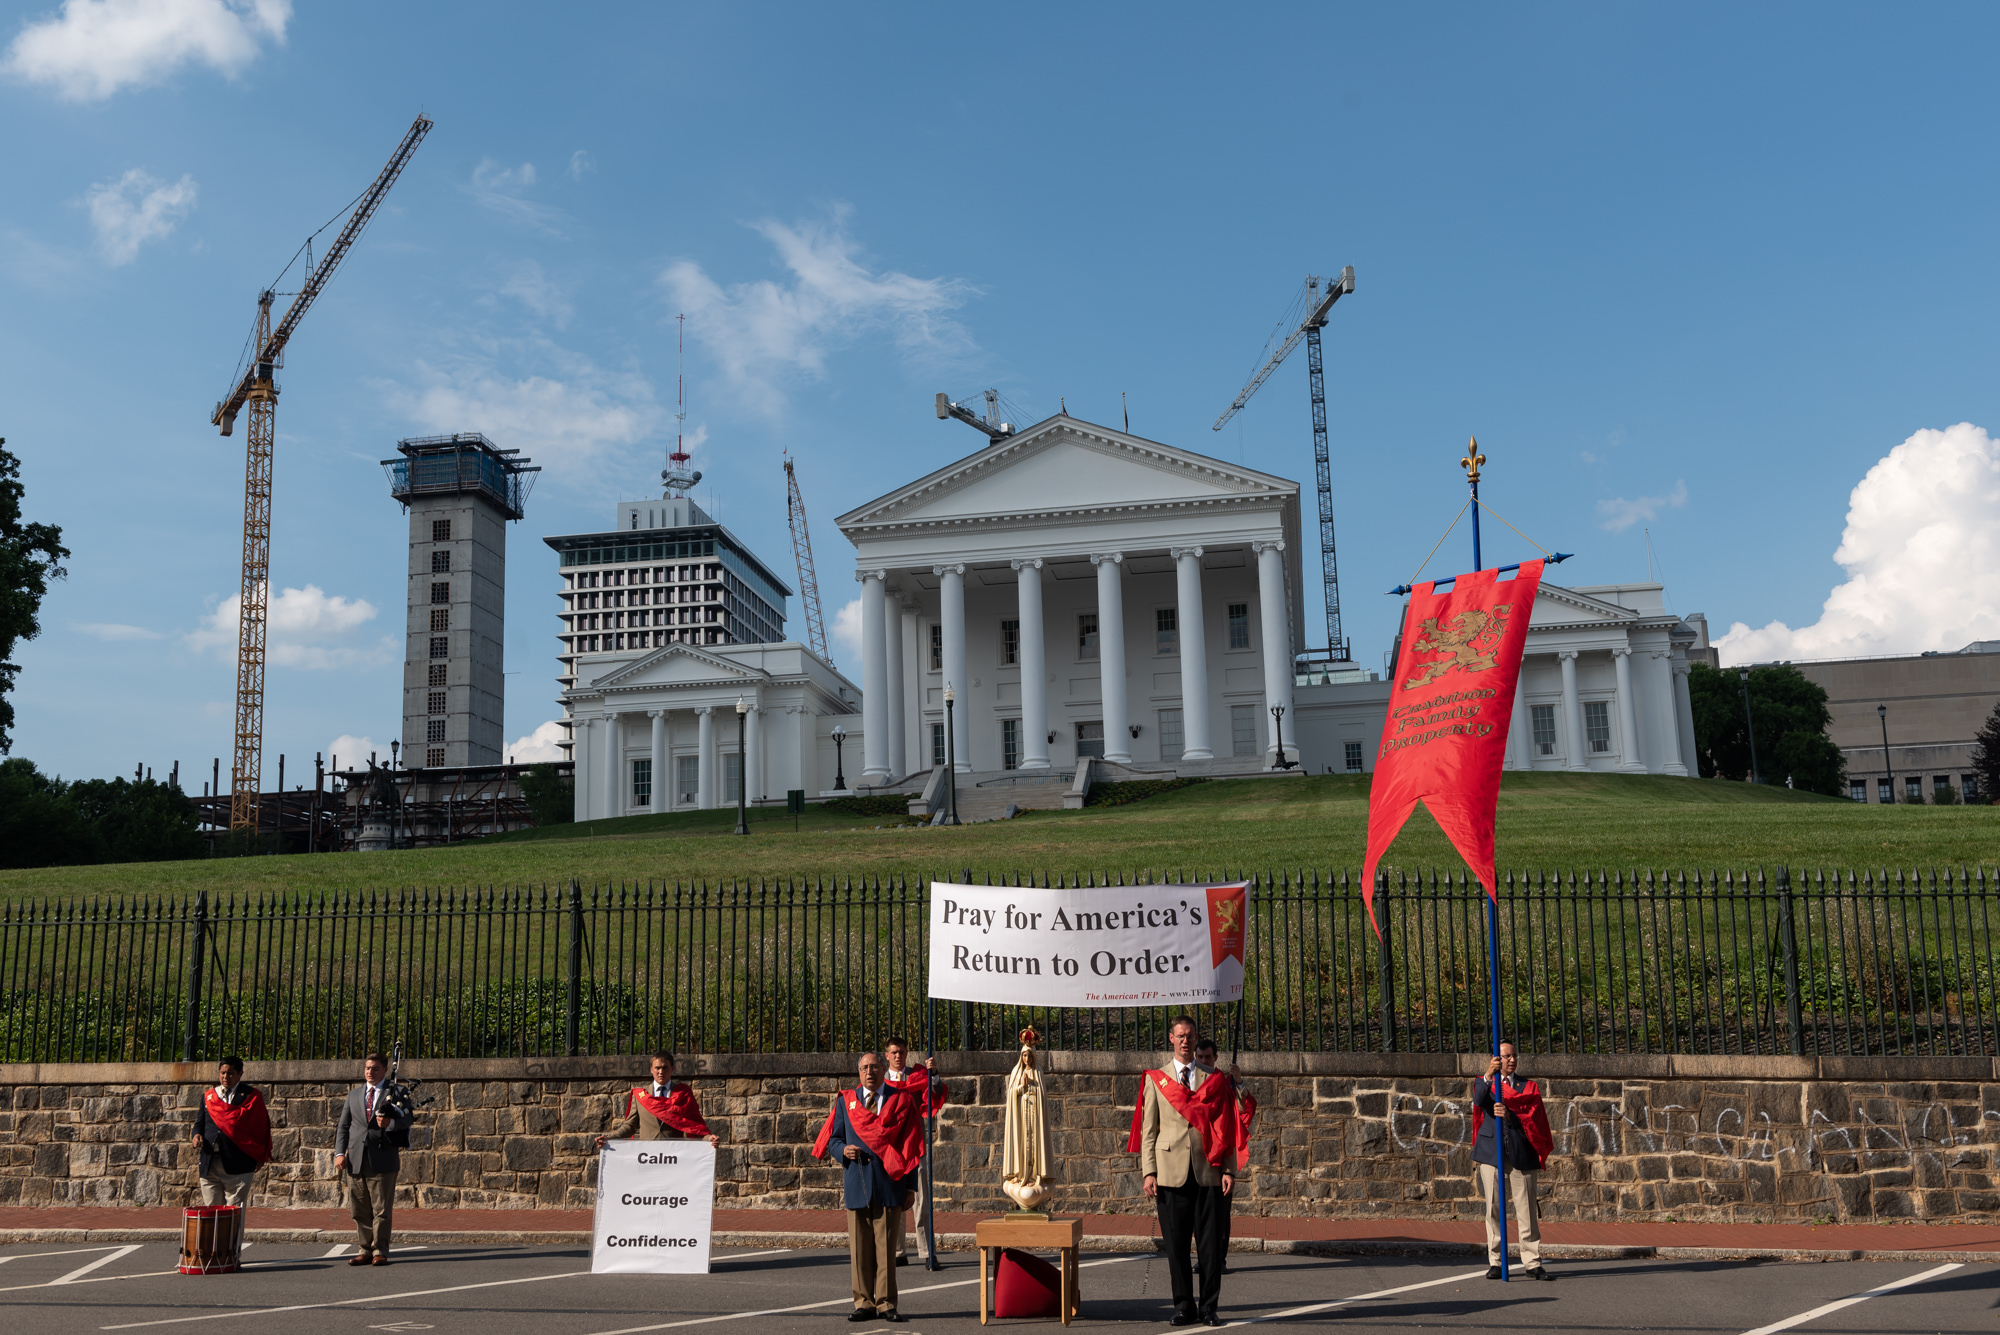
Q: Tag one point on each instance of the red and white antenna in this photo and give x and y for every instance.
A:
(679, 478)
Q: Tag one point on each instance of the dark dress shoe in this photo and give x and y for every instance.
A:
(861, 1314)
(362, 1259)
(1215, 1319)
(1538, 1273)
(902, 1259)
(893, 1315)
(1184, 1318)
(381, 1260)
(1492, 1272)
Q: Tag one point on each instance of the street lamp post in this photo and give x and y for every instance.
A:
(742, 767)
(950, 760)
(839, 765)
(1882, 713)
(1743, 674)
(1278, 735)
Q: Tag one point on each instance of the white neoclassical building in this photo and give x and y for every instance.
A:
(1081, 591)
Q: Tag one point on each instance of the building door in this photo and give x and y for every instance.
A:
(1090, 739)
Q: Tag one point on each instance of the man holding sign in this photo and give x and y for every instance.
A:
(878, 1131)
(1186, 1141)
(663, 1110)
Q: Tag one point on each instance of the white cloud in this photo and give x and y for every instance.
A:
(581, 164)
(1620, 514)
(305, 628)
(539, 745)
(526, 283)
(135, 209)
(114, 631)
(501, 189)
(93, 48)
(1920, 550)
(355, 751)
(765, 332)
(573, 415)
(845, 633)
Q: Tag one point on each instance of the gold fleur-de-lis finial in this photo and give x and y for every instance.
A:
(1472, 460)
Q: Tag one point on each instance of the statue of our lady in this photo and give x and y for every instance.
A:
(1026, 1168)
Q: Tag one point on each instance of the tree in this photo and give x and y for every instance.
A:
(1986, 757)
(30, 556)
(45, 822)
(1791, 717)
(551, 798)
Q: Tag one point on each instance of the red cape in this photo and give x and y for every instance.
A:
(1211, 1110)
(247, 1124)
(1526, 1104)
(896, 1135)
(677, 1110)
(918, 1079)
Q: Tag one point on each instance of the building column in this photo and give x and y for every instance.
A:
(706, 777)
(893, 748)
(1195, 741)
(1574, 756)
(1520, 728)
(660, 786)
(951, 613)
(1683, 715)
(1034, 668)
(913, 758)
(1670, 760)
(1630, 758)
(753, 755)
(1277, 637)
(1111, 656)
(582, 732)
(874, 678)
(614, 766)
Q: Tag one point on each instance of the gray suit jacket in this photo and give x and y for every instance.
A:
(369, 1148)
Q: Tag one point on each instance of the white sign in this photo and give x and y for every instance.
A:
(655, 1208)
(1141, 945)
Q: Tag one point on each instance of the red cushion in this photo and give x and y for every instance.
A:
(1027, 1286)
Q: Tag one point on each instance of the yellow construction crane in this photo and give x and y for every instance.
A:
(256, 386)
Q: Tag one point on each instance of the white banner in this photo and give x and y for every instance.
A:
(655, 1208)
(1141, 945)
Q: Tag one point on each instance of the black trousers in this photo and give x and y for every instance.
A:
(1197, 1214)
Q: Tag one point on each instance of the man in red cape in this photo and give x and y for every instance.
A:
(917, 1082)
(1207, 1054)
(1528, 1145)
(1186, 1139)
(663, 1110)
(878, 1130)
(232, 1131)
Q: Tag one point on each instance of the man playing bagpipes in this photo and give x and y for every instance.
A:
(916, 1081)
(879, 1131)
(1185, 1131)
(232, 1130)
(664, 1109)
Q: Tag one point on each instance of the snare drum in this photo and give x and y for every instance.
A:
(211, 1239)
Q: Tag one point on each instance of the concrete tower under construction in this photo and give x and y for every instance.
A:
(460, 492)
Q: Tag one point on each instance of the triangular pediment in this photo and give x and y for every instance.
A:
(1556, 606)
(1065, 466)
(676, 665)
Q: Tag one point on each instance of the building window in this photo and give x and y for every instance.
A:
(1913, 788)
(1239, 625)
(1353, 756)
(1544, 719)
(440, 618)
(440, 591)
(1941, 789)
(434, 757)
(1010, 743)
(1172, 742)
(1968, 784)
(1010, 643)
(1857, 789)
(434, 730)
(1090, 740)
(435, 702)
(440, 530)
(1166, 631)
(732, 776)
(689, 770)
(937, 743)
(440, 646)
(1597, 725)
(1885, 791)
(642, 783)
(1086, 637)
(1243, 730)
(437, 674)
(440, 562)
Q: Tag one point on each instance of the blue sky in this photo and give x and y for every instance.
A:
(1718, 272)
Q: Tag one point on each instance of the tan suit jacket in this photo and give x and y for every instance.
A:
(643, 1124)
(1170, 1148)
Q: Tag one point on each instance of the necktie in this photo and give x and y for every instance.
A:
(874, 1100)
(1187, 1078)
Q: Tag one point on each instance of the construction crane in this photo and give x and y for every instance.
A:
(256, 386)
(990, 424)
(802, 550)
(1316, 307)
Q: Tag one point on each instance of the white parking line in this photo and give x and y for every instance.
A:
(339, 1249)
(1821, 1311)
(345, 1302)
(83, 1270)
(73, 1251)
(1357, 1298)
(744, 1256)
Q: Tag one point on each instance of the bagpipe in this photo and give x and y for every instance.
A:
(401, 1096)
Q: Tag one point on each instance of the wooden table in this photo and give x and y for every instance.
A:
(1065, 1235)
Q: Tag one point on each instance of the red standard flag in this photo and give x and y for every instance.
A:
(1449, 707)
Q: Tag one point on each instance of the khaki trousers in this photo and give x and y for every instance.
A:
(371, 1199)
(1520, 1209)
(910, 1222)
(220, 1188)
(871, 1239)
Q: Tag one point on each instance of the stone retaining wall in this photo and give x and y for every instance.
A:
(1717, 1138)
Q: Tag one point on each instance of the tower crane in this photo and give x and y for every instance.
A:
(795, 511)
(256, 386)
(1316, 305)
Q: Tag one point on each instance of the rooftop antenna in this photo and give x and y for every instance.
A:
(677, 476)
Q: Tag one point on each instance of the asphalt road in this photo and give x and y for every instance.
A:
(60, 1288)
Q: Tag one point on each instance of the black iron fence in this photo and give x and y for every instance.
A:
(1730, 962)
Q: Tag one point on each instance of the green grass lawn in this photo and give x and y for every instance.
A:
(1547, 821)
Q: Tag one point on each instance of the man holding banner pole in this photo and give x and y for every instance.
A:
(916, 1081)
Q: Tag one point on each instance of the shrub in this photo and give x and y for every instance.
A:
(874, 804)
(1128, 791)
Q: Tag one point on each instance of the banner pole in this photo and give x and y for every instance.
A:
(930, 1141)
(1471, 463)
